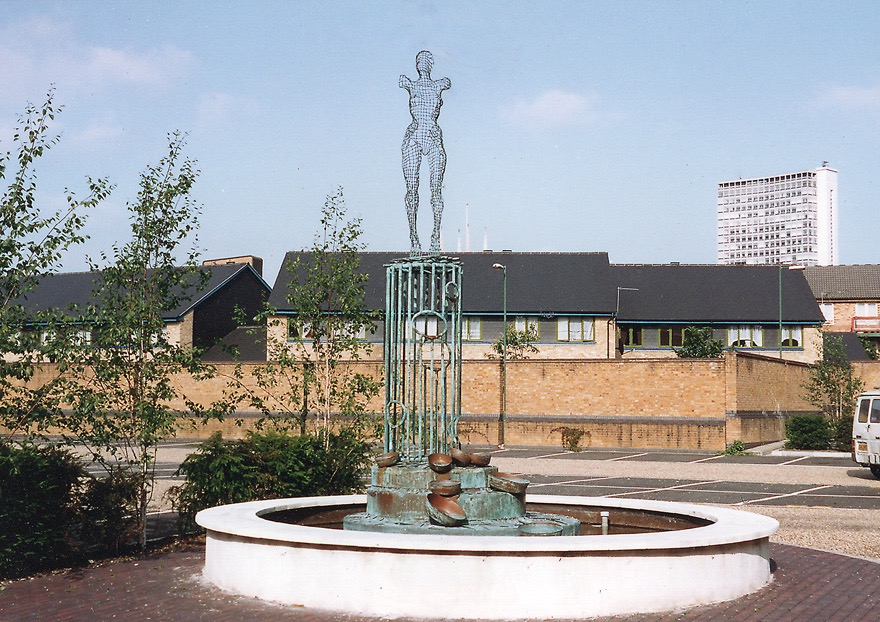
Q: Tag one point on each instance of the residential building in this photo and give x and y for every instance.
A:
(849, 298)
(202, 317)
(585, 308)
(739, 303)
(779, 219)
(565, 296)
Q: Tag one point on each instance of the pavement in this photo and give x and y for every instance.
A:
(826, 557)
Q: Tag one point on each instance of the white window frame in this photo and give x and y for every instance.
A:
(575, 329)
(827, 309)
(866, 309)
(747, 332)
(471, 328)
(304, 329)
(521, 322)
(793, 332)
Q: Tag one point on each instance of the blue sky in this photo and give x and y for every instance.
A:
(570, 126)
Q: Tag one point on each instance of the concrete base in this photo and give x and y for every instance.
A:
(486, 577)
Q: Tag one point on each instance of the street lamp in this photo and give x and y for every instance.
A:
(503, 415)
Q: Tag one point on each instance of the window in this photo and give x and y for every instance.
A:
(522, 322)
(827, 309)
(745, 337)
(298, 330)
(875, 412)
(575, 329)
(471, 328)
(671, 337)
(864, 407)
(866, 309)
(630, 336)
(792, 337)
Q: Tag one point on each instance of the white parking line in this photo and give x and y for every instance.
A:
(678, 487)
(625, 457)
(571, 481)
(706, 459)
(561, 453)
(790, 494)
(793, 461)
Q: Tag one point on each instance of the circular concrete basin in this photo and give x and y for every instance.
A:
(494, 577)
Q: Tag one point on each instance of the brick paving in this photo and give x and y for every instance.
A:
(807, 585)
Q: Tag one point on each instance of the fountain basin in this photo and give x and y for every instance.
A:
(498, 577)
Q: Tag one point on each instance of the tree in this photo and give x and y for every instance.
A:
(698, 343)
(520, 343)
(833, 387)
(31, 246)
(308, 373)
(120, 386)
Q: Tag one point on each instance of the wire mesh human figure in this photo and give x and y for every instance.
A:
(424, 138)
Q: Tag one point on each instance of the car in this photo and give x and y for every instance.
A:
(866, 431)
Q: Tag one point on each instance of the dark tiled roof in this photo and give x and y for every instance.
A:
(537, 283)
(857, 282)
(61, 291)
(248, 341)
(852, 346)
(713, 293)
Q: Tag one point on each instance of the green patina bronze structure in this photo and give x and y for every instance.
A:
(422, 356)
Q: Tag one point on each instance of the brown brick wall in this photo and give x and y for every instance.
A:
(676, 403)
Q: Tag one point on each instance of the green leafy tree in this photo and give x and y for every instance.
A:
(833, 387)
(120, 386)
(308, 374)
(699, 344)
(32, 244)
(520, 344)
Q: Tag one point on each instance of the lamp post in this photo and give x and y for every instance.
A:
(503, 415)
(779, 338)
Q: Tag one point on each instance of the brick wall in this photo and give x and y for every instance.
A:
(676, 403)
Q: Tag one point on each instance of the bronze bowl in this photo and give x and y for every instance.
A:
(444, 510)
(459, 458)
(387, 460)
(540, 528)
(480, 460)
(440, 463)
(446, 487)
(507, 482)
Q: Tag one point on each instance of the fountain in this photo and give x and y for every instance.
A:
(441, 532)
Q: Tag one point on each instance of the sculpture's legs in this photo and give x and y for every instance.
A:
(438, 168)
(412, 160)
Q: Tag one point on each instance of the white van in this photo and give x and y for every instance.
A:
(866, 431)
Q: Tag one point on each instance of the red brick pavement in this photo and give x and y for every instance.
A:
(808, 585)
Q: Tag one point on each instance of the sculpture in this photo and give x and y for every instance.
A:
(424, 138)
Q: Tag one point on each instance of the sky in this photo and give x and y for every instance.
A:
(570, 126)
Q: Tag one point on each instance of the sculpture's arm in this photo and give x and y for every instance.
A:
(445, 84)
(405, 83)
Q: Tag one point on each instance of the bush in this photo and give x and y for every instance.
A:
(841, 434)
(269, 465)
(735, 448)
(108, 514)
(808, 432)
(570, 437)
(38, 488)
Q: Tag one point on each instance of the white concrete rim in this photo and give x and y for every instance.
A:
(727, 526)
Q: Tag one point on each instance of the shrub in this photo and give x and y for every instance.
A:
(808, 432)
(38, 487)
(108, 514)
(841, 434)
(735, 448)
(269, 465)
(571, 437)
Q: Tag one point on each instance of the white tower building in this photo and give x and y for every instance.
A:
(782, 219)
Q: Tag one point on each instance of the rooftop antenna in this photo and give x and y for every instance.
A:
(467, 227)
